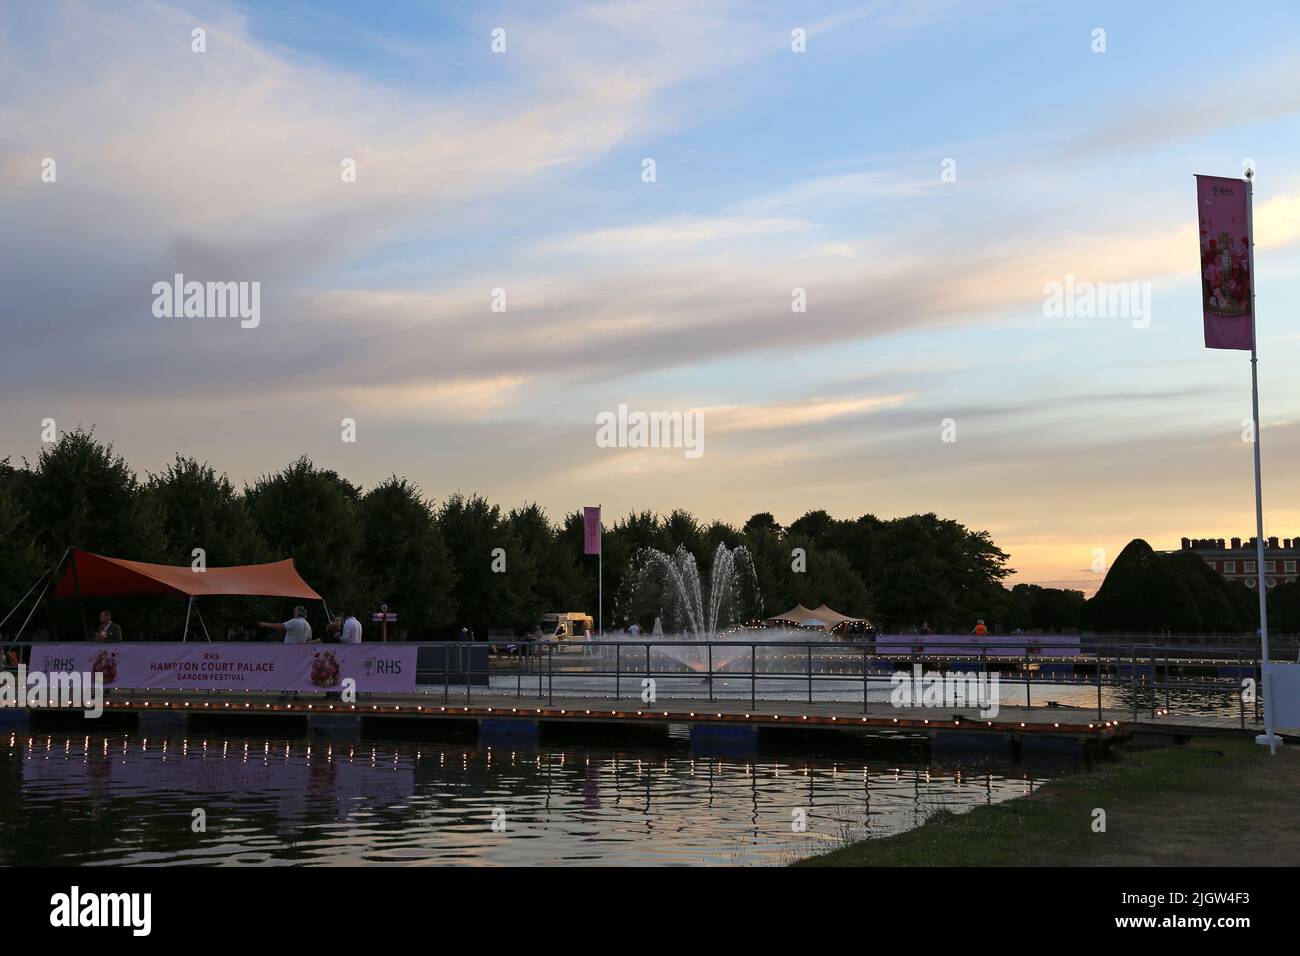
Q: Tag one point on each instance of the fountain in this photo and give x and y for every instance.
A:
(693, 609)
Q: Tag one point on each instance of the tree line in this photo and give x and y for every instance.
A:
(438, 565)
(466, 562)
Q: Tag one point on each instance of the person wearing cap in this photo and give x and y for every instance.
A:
(296, 629)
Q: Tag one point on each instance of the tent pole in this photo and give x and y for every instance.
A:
(189, 607)
(23, 598)
(58, 564)
(199, 615)
(81, 603)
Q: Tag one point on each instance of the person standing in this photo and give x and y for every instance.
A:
(351, 633)
(296, 629)
(981, 630)
(107, 630)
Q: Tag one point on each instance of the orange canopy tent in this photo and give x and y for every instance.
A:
(93, 575)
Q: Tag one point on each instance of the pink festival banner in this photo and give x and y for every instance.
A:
(591, 530)
(1226, 282)
(381, 668)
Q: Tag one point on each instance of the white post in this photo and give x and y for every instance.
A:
(189, 607)
(1268, 736)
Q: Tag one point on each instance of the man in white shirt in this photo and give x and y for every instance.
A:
(351, 632)
(296, 629)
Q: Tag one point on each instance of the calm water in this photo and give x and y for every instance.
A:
(130, 798)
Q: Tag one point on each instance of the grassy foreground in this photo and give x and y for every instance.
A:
(1214, 801)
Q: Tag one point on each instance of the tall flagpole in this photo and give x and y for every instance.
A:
(600, 564)
(1269, 737)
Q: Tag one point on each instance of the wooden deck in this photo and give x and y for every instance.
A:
(844, 716)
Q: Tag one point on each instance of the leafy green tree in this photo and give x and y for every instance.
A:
(311, 515)
(485, 598)
(559, 579)
(1283, 610)
(1034, 608)
(402, 559)
(1143, 594)
(81, 493)
(20, 562)
(830, 580)
(200, 509)
(772, 559)
(1224, 606)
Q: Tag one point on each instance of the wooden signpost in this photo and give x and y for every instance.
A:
(383, 617)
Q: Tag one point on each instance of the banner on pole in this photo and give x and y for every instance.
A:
(1226, 281)
(591, 530)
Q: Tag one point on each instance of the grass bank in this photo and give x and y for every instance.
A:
(1213, 801)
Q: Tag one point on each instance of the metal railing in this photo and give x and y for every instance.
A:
(1138, 675)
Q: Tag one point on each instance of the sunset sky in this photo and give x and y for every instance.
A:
(775, 170)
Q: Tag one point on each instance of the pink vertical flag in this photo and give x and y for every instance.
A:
(1226, 282)
(591, 530)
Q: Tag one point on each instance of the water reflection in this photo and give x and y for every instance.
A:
(130, 798)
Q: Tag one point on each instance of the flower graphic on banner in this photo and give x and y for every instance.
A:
(105, 663)
(325, 669)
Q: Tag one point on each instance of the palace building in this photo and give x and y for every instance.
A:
(1236, 558)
